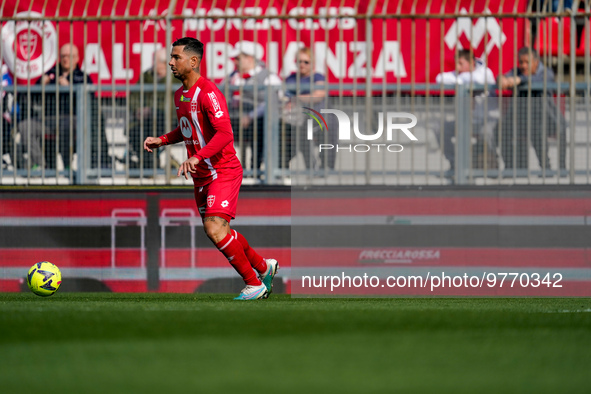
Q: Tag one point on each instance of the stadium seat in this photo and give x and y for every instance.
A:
(547, 40)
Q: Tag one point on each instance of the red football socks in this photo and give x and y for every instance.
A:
(256, 261)
(234, 252)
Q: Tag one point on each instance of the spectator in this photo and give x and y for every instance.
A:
(530, 69)
(57, 124)
(471, 70)
(300, 95)
(143, 124)
(252, 75)
(7, 118)
(468, 68)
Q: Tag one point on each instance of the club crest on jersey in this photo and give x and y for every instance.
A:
(214, 102)
(210, 201)
(193, 107)
(185, 99)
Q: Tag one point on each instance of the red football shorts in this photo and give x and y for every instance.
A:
(219, 198)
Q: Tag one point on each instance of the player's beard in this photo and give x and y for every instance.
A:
(176, 74)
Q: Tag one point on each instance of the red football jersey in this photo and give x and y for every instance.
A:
(204, 126)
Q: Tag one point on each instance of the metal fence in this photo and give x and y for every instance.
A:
(467, 133)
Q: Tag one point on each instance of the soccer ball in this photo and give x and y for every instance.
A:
(44, 278)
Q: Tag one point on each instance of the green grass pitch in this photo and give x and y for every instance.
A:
(187, 343)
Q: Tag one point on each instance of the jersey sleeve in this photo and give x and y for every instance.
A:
(215, 108)
(173, 137)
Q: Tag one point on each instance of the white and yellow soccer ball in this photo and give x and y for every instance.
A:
(44, 278)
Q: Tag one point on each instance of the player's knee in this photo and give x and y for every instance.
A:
(210, 228)
(214, 228)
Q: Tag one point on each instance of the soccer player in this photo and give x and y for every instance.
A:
(204, 127)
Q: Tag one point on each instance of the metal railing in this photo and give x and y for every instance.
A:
(89, 133)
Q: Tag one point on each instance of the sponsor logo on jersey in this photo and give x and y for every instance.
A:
(186, 128)
(210, 200)
(214, 103)
(185, 99)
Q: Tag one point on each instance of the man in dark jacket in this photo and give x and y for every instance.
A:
(57, 121)
(252, 75)
(546, 120)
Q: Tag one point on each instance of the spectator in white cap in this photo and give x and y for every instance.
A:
(147, 119)
(252, 74)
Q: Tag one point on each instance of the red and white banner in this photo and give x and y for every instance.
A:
(404, 49)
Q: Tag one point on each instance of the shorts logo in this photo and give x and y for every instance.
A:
(186, 128)
(214, 103)
(210, 201)
(225, 203)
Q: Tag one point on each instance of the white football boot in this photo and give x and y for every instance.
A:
(253, 293)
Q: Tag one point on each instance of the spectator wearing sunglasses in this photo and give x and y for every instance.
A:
(305, 88)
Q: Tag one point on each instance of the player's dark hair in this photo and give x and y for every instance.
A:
(465, 54)
(191, 46)
(525, 51)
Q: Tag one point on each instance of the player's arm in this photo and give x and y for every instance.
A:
(223, 135)
(220, 121)
(173, 137)
(448, 78)
(188, 166)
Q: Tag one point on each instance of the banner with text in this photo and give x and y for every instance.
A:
(404, 49)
